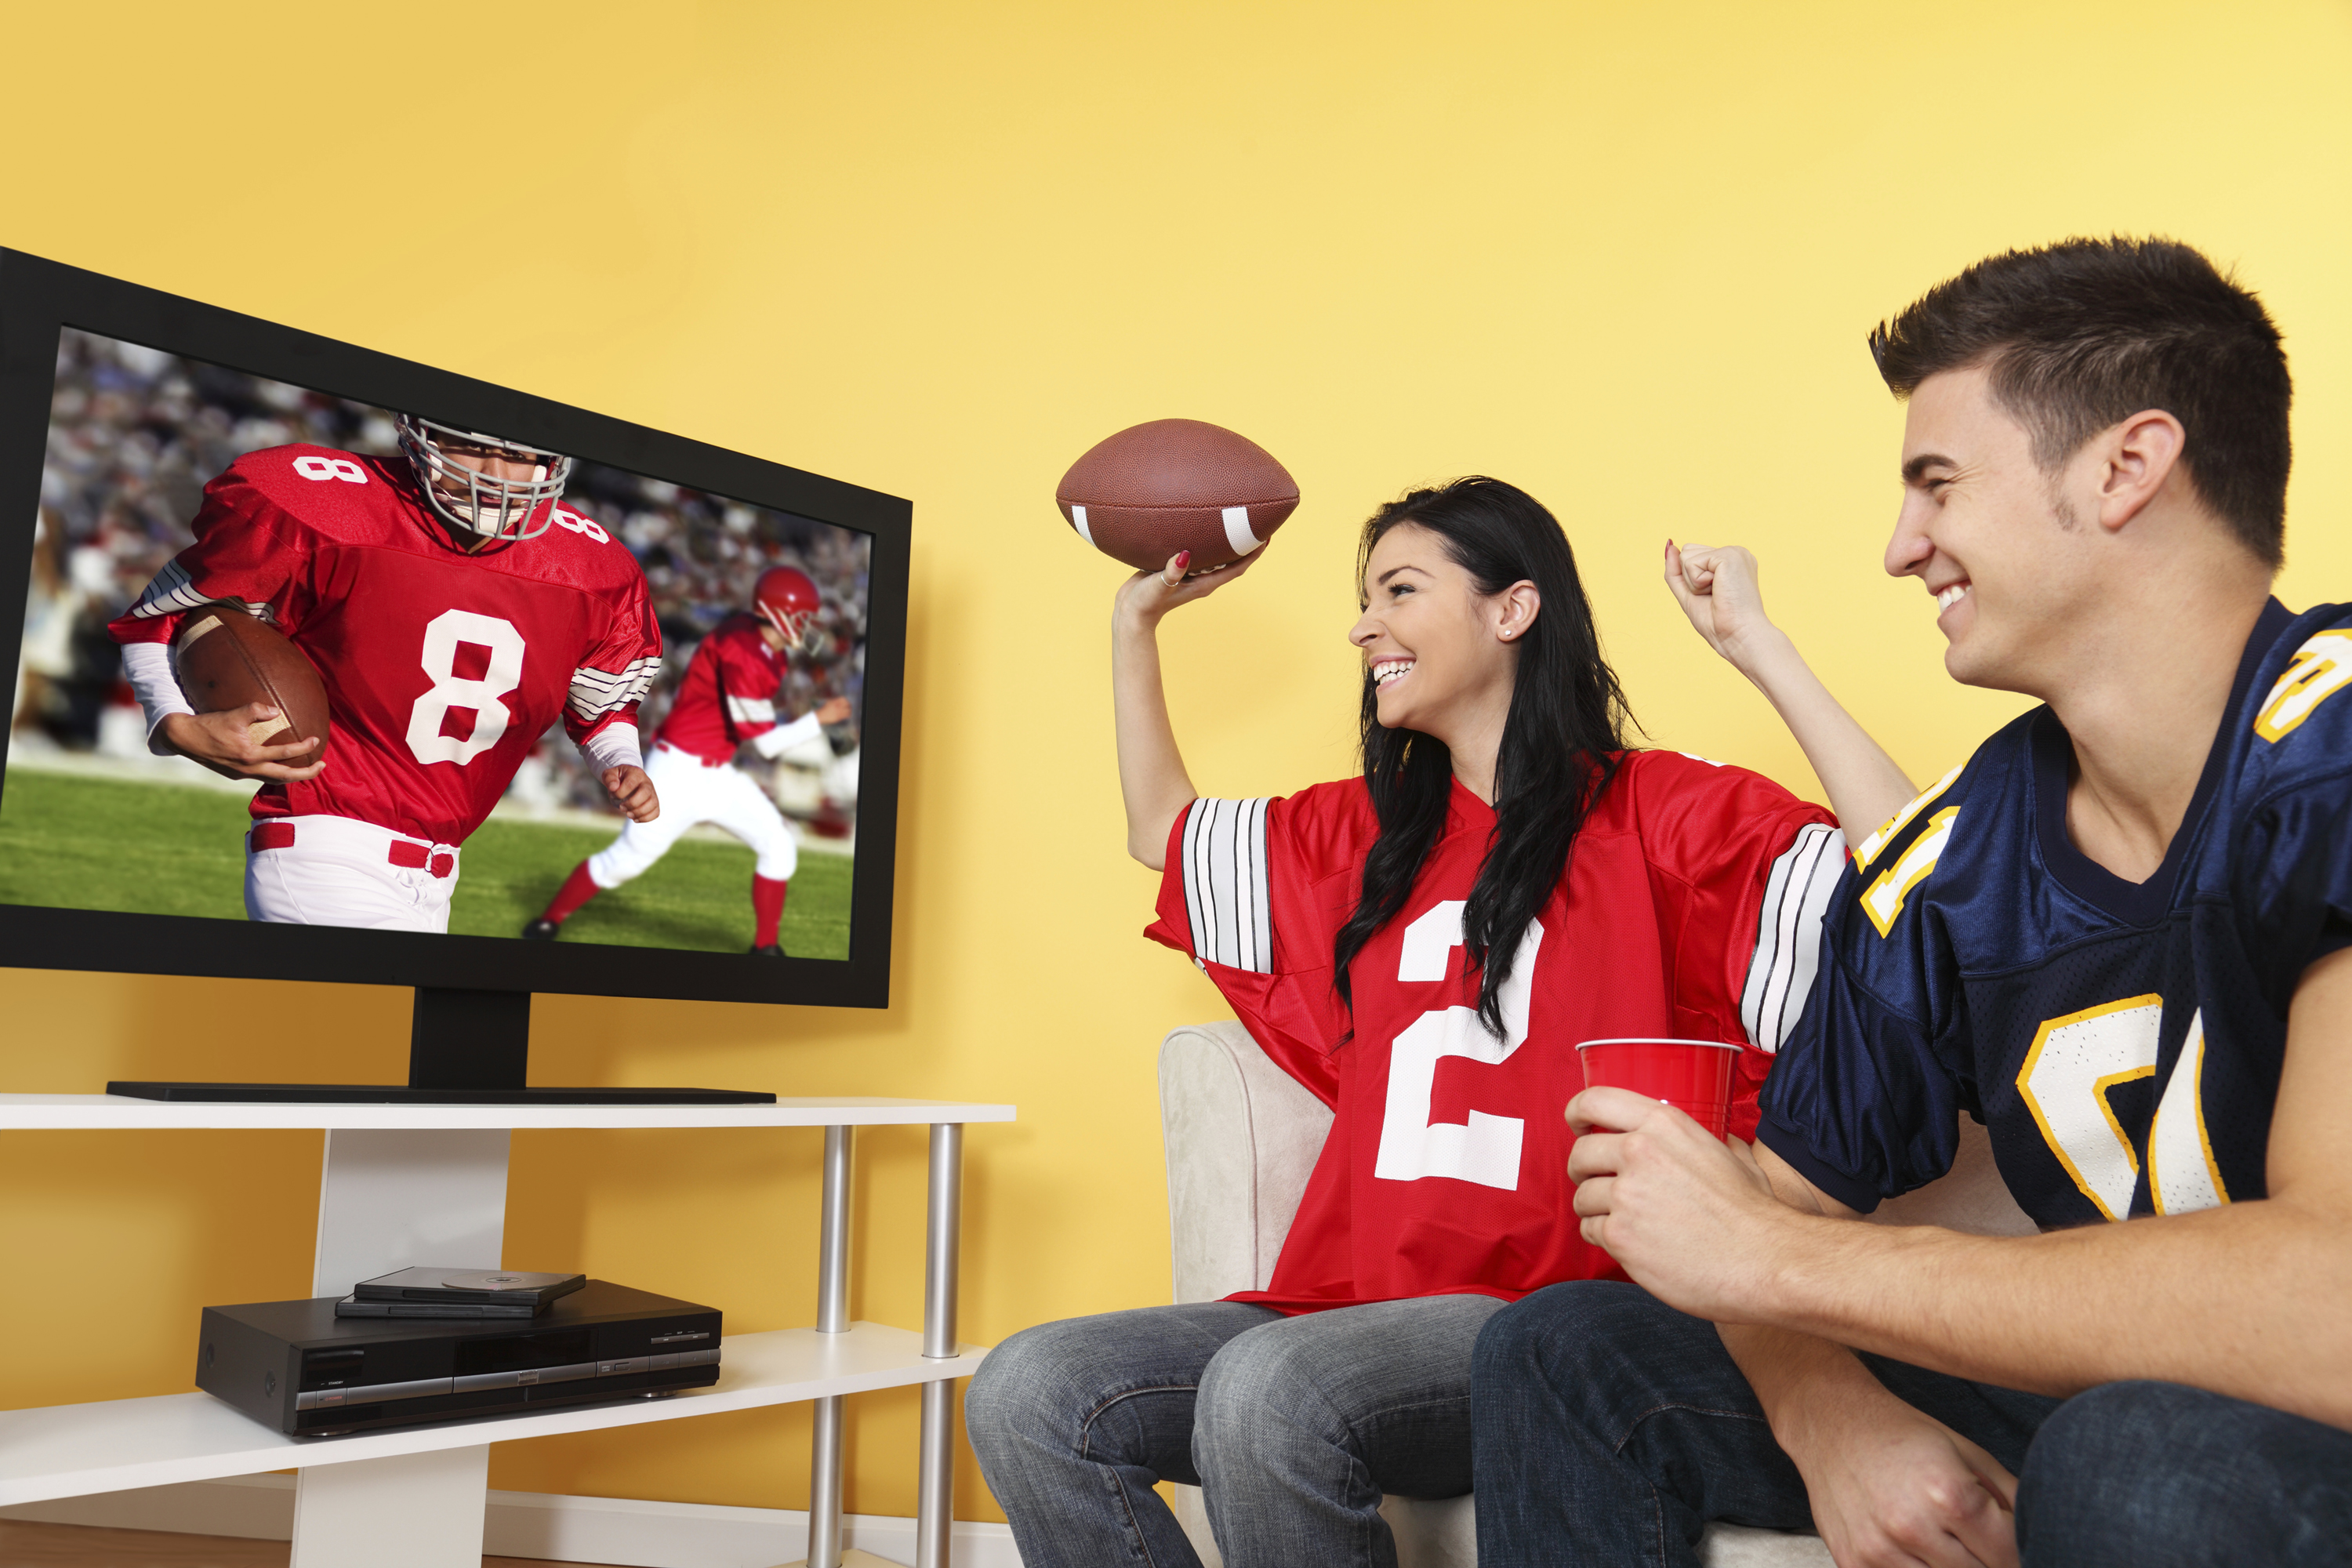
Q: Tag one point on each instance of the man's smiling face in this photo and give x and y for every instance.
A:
(1985, 528)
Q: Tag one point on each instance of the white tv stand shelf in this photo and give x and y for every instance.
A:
(407, 1185)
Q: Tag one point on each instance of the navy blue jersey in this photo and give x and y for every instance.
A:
(2121, 1041)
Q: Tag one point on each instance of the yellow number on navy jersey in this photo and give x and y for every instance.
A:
(2321, 667)
(1901, 820)
(1883, 900)
(2075, 1061)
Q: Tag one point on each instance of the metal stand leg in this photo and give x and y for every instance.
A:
(935, 1480)
(832, 1318)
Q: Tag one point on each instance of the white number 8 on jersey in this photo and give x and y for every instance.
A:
(450, 690)
(343, 468)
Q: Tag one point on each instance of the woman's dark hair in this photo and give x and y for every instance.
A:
(1566, 722)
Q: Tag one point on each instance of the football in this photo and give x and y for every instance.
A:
(1150, 490)
(226, 658)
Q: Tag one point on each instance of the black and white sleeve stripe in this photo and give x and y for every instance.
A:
(1789, 934)
(1225, 883)
(173, 593)
(596, 692)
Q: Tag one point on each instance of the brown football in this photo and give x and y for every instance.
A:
(226, 658)
(1153, 490)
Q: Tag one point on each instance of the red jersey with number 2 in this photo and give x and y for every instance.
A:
(729, 692)
(1691, 909)
(442, 668)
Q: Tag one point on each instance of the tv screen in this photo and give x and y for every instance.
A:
(606, 711)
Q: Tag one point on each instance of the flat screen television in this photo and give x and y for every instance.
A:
(486, 581)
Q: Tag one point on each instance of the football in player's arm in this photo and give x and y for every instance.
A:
(452, 608)
(2114, 935)
(725, 701)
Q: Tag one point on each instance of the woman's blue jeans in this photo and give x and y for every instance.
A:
(1292, 1427)
(1611, 1429)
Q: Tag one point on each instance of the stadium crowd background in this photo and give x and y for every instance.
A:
(134, 435)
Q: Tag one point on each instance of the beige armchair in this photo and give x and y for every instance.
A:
(1242, 1136)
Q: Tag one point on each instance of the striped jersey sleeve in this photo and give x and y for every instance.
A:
(1225, 864)
(614, 674)
(750, 715)
(598, 692)
(1787, 948)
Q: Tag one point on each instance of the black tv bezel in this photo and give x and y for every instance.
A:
(39, 298)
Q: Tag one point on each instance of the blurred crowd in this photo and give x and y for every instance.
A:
(135, 433)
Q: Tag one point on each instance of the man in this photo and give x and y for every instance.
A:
(2115, 935)
(725, 701)
(453, 609)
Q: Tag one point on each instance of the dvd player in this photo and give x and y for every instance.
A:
(297, 1367)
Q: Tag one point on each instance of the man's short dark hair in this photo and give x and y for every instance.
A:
(2081, 335)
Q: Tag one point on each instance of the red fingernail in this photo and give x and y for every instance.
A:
(1183, 559)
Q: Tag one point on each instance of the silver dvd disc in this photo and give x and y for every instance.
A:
(498, 1281)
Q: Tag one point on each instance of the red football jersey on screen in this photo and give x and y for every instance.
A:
(442, 668)
(729, 694)
(1691, 909)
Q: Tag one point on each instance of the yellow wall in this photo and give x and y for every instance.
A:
(1625, 256)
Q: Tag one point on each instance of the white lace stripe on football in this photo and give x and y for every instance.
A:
(1237, 531)
(1079, 522)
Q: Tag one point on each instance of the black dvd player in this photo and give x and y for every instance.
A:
(296, 1366)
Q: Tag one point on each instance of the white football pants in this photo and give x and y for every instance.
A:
(691, 794)
(338, 873)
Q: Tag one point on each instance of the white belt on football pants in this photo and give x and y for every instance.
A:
(336, 871)
(692, 791)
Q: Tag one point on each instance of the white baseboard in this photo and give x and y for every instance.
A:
(624, 1531)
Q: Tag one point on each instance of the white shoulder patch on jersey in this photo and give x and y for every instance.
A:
(1789, 935)
(1226, 883)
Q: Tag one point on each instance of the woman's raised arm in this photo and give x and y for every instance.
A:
(1151, 776)
(1717, 589)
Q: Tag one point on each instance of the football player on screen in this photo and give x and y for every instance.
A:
(725, 701)
(452, 608)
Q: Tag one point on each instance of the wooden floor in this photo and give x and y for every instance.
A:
(25, 1545)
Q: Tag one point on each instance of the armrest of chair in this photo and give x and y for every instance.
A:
(1241, 1137)
(1969, 1196)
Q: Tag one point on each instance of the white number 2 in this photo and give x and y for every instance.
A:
(1486, 1148)
(481, 693)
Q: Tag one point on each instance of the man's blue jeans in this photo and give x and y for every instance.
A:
(1292, 1427)
(1611, 1429)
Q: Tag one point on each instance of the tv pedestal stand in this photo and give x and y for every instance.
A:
(464, 1047)
(406, 1184)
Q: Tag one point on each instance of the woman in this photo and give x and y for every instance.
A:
(1421, 947)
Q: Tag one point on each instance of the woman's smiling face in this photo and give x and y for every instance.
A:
(1437, 649)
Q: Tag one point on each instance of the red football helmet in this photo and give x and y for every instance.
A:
(787, 600)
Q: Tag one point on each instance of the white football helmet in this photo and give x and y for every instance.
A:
(477, 503)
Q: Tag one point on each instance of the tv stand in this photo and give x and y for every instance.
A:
(407, 1184)
(464, 1047)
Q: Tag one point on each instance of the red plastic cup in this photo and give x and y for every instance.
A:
(1692, 1076)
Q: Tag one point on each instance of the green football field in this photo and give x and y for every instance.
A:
(74, 842)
